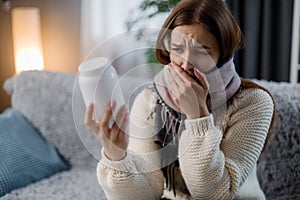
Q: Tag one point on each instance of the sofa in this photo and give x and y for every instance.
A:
(51, 102)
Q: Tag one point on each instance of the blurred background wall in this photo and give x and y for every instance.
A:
(60, 24)
(72, 28)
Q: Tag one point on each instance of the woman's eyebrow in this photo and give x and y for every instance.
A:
(201, 47)
(176, 45)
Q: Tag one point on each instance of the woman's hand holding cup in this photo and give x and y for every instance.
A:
(113, 139)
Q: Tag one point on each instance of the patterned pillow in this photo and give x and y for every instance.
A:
(25, 155)
(45, 99)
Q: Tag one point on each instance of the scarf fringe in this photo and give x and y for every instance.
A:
(171, 121)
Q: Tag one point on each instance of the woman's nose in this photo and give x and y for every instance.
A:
(186, 64)
(186, 61)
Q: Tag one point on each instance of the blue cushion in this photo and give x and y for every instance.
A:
(25, 156)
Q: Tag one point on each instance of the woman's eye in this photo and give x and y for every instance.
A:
(201, 52)
(176, 49)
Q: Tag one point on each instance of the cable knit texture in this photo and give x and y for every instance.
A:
(215, 163)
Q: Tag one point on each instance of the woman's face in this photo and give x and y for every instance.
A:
(193, 46)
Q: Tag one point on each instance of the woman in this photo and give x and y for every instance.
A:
(215, 129)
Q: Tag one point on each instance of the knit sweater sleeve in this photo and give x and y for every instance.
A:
(215, 164)
(134, 177)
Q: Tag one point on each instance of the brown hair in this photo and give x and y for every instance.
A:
(213, 14)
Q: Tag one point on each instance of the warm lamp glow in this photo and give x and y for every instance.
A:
(28, 51)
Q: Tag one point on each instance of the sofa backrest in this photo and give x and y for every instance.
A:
(278, 166)
(47, 100)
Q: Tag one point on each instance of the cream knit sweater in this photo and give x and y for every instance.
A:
(215, 163)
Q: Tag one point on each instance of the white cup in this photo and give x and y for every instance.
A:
(99, 83)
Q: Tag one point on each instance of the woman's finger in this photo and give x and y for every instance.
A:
(123, 126)
(104, 122)
(184, 76)
(202, 79)
(172, 79)
(88, 118)
(175, 76)
(116, 126)
(172, 87)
